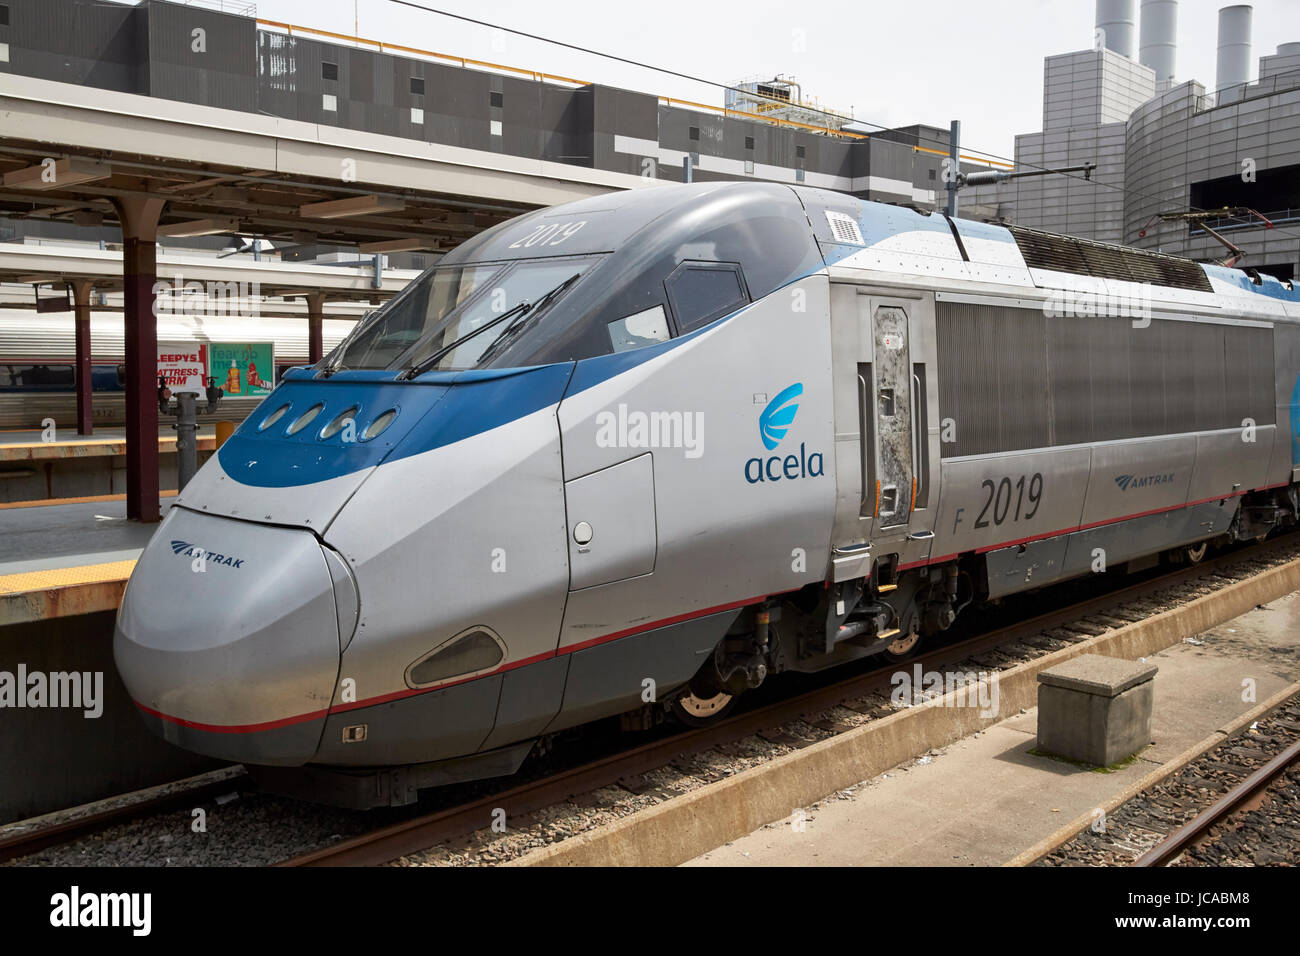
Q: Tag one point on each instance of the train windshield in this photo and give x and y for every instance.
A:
(414, 314)
(454, 317)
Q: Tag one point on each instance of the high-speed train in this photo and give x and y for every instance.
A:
(647, 449)
(38, 360)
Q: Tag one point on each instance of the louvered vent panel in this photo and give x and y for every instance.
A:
(844, 228)
(1043, 250)
(1106, 261)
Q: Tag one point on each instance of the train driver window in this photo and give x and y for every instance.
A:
(639, 330)
(703, 291)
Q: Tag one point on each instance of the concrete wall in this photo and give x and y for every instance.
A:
(1181, 138)
(1092, 88)
(56, 758)
(78, 477)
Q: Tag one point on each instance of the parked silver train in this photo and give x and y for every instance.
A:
(661, 445)
(38, 371)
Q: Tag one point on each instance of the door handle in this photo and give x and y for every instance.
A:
(917, 432)
(920, 536)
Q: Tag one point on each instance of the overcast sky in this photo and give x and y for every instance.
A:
(895, 62)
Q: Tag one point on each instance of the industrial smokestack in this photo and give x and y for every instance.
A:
(1116, 25)
(1234, 49)
(1159, 48)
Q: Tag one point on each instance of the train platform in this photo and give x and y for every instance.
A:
(76, 468)
(59, 560)
(987, 798)
(29, 445)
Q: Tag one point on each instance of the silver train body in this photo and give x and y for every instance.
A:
(827, 427)
(29, 341)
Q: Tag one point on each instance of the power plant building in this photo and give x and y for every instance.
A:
(1164, 147)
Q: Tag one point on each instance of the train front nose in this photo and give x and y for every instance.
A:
(228, 638)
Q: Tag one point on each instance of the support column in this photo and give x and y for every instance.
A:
(81, 291)
(139, 217)
(315, 313)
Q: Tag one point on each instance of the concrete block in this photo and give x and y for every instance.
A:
(1095, 709)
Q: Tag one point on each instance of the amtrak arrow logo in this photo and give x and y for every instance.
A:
(187, 550)
(777, 418)
(1126, 482)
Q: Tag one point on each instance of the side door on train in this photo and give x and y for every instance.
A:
(886, 430)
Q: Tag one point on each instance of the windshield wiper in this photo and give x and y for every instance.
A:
(336, 363)
(518, 325)
(422, 366)
(518, 313)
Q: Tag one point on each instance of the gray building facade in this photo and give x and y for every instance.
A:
(1163, 146)
(205, 56)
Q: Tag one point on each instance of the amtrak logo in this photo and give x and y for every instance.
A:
(777, 418)
(1126, 482)
(773, 424)
(186, 550)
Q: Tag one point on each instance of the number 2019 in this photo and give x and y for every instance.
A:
(550, 235)
(1002, 493)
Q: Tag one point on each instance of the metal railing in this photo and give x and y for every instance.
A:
(240, 8)
(1252, 89)
(538, 76)
(1231, 223)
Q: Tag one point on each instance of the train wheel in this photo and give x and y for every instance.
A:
(904, 647)
(907, 644)
(702, 710)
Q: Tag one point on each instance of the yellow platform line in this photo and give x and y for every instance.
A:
(87, 448)
(62, 592)
(84, 500)
(65, 577)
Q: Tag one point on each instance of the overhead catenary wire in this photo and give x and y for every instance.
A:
(724, 86)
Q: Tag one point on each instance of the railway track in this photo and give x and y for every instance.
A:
(1000, 647)
(1236, 803)
(1246, 796)
(24, 841)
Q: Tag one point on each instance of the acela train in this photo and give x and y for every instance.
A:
(665, 443)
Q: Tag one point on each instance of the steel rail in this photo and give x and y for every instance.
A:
(24, 843)
(1195, 831)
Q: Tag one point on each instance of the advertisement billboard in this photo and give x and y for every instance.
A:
(183, 367)
(243, 369)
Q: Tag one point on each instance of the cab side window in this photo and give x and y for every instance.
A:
(637, 331)
(700, 292)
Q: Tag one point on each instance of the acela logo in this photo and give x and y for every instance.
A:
(773, 424)
(186, 550)
(1126, 482)
(777, 418)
